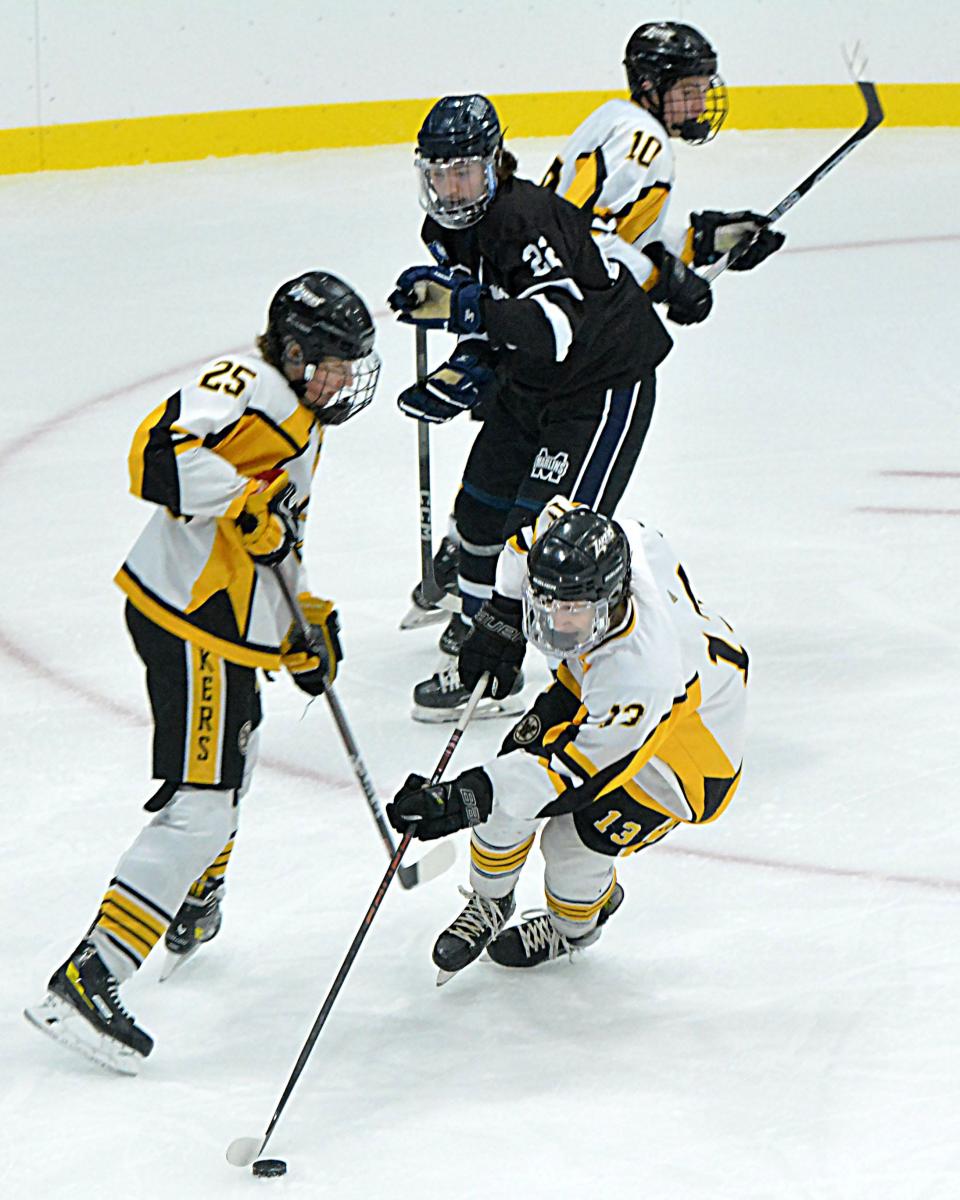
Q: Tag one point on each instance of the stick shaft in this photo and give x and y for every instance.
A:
(368, 918)
(432, 591)
(873, 118)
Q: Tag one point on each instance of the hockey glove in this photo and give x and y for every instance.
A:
(439, 298)
(313, 665)
(494, 644)
(717, 233)
(687, 296)
(268, 523)
(459, 384)
(433, 812)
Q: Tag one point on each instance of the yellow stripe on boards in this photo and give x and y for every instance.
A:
(187, 136)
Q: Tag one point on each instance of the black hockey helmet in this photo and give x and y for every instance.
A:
(458, 148)
(577, 574)
(315, 317)
(659, 54)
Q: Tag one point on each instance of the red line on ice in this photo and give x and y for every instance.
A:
(10, 649)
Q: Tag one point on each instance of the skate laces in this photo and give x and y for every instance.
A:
(479, 915)
(112, 988)
(448, 678)
(537, 932)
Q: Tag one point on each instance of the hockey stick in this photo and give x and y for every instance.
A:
(873, 118)
(437, 860)
(441, 858)
(433, 593)
(244, 1151)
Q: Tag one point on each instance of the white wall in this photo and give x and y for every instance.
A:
(86, 60)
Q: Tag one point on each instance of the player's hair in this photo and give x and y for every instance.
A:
(506, 165)
(266, 350)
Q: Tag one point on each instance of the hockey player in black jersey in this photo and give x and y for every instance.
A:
(227, 463)
(557, 343)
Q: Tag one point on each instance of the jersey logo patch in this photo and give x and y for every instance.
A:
(550, 467)
(527, 730)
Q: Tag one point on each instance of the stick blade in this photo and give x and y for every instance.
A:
(244, 1151)
(435, 862)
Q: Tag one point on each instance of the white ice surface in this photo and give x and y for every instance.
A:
(774, 1012)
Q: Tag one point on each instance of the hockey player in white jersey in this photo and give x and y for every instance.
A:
(228, 462)
(641, 731)
(619, 162)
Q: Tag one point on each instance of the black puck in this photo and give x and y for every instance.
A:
(269, 1168)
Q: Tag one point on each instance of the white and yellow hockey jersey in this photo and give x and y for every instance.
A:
(657, 708)
(192, 457)
(619, 162)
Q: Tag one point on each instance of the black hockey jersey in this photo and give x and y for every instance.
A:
(560, 318)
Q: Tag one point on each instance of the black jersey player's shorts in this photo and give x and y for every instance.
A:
(204, 708)
(586, 448)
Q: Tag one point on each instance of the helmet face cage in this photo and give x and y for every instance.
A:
(456, 192)
(661, 55)
(564, 627)
(362, 375)
(705, 128)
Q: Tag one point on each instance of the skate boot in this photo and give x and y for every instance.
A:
(464, 940)
(443, 697)
(535, 940)
(454, 635)
(445, 564)
(83, 1012)
(198, 920)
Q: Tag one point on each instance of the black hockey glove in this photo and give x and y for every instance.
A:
(687, 296)
(461, 382)
(439, 298)
(313, 665)
(433, 812)
(717, 233)
(495, 644)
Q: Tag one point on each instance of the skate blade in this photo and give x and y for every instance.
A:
(445, 976)
(61, 1021)
(486, 710)
(419, 618)
(173, 962)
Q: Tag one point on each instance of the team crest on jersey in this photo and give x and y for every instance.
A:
(550, 467)
(527, 730)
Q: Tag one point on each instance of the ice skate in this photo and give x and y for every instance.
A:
(443, 697)
(197, 921)
(422, 611)
(464, 940)
(83, 1012)
(535, 940)
(454, 635)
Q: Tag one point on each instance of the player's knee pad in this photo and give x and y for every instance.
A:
(183, 838)
(571, 866)
(479, 528)
(480, 521)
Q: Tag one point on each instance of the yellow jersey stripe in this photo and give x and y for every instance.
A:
(135, 459)
(643, 213)
(173, 622)
(584, 184)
